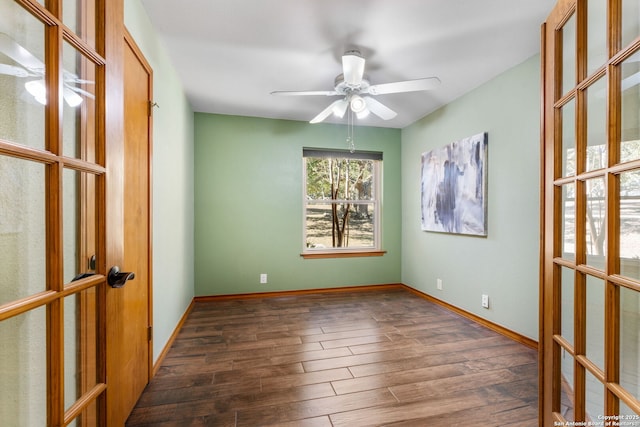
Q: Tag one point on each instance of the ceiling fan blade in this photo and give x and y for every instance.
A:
(405, 86)
(353, 67)
(328, 111)
(22, 56)
(305, 93)
(379, 109)
(13, 70)
(340, 107)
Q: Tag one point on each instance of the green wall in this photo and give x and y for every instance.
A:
(248, 206)
(172, 183)
(503, 265)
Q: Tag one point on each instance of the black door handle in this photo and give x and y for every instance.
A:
(117, 278)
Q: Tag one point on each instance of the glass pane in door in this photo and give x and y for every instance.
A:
(23, 370)
(22, 88)
(568, 113)
(595, 222)
(568, 304)
(569, 55)
(567, 397)
(569, 221)
(79, 16)
(596, 34)
(630, 224)
(71, 211)
(22, 228)
(597, 125)
(629, 414)
(630, 109)
(79, 105)
(630, 341)
(595, 321)
(630, 21)
(77, 203)
(594, 399)
(80, 338)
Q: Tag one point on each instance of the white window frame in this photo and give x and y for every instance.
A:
(375, 202)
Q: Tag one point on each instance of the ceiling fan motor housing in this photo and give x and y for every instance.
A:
(345, 88)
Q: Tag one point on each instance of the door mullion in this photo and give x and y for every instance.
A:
(54, 227)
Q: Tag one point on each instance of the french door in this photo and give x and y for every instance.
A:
(54, 215)
(590, 283)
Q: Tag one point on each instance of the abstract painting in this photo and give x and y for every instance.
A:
(454, 187)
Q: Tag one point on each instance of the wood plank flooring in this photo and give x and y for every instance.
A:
(362, 358)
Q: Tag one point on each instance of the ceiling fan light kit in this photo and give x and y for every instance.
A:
(357, 104)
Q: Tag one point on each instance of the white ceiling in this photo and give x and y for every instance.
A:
(230, 54)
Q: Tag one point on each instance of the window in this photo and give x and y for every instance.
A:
(341, 202)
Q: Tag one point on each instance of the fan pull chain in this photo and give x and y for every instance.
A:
(350, 131)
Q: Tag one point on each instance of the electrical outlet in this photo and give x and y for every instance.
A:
(439, 284)
(485, 301)
(263, 278)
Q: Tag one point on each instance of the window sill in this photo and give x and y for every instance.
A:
(341, 254)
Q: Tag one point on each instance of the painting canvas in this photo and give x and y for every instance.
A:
(454, 187)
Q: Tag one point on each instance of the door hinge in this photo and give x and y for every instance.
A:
(151, 105)
(150, 333)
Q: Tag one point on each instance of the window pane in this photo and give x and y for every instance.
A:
(595, 229)
(630, 117)
(79, 16)
(569, 55)
(630, 341)
(568, 304)
(22, 229)
(78, 129)
(340, 225)
(595, 321)
(630, 224)
(569, 138)
(80, 335)
(22, 88)
(597, 34)
(630, 21)
(23, 370)
(568, 221)
(341, 179)
(597, 125)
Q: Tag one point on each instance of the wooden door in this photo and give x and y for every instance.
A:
(590, 283)
(55, 180)
(130, 344)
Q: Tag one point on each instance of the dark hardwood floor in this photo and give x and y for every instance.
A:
(363, 358)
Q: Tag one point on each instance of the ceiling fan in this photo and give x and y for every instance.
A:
(30, 66)
(357, 92)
